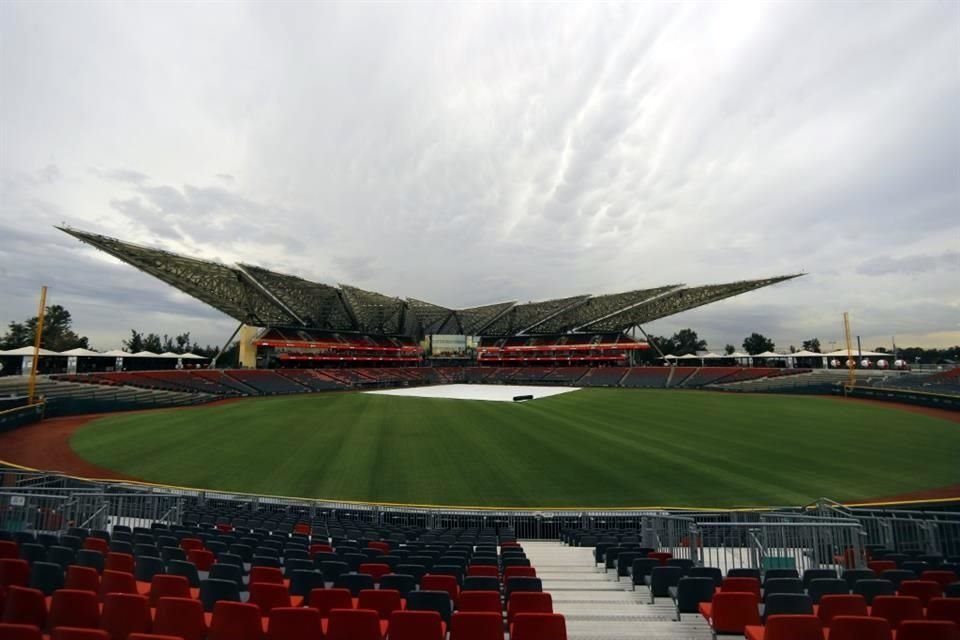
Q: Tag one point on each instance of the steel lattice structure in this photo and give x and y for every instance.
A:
(260, 297)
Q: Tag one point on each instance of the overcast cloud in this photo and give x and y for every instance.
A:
(471, 153)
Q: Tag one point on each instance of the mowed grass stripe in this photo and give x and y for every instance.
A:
(591, 448)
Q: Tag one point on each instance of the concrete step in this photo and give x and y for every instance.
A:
(598, 605)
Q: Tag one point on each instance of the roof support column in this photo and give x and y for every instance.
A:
(213, 363)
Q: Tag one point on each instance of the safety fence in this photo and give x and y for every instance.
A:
(19, 416)
(947, 400)
(906, 530)
(825, 534)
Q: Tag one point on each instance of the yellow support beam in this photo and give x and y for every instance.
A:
(851, 363)
(32, 388)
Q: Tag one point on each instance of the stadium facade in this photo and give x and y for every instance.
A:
(299, 313)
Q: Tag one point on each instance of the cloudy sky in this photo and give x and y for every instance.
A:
(470, 153)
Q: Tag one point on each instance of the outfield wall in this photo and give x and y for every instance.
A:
(903, 396)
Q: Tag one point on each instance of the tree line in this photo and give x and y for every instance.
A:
(58, 335)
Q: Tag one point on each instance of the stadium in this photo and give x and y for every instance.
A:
(516, 469)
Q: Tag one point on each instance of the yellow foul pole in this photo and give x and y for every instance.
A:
(36, 344)
(851, 363)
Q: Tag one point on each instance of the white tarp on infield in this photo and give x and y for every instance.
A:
(495, 392)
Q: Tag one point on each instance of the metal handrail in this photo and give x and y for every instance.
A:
(94, 515)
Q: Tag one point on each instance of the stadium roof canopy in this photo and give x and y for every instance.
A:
(261, 297)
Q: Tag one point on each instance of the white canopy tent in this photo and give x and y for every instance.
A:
(80, 352)
(28, 351)
(842, 353)
(805, 354)
(771, 355)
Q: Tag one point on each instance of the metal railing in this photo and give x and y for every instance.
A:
(823, 534)
(768, 545)
(905, 530)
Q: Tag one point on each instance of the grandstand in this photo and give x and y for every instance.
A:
(187, 564)
(310, 324)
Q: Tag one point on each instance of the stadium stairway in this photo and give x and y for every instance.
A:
(598, 606)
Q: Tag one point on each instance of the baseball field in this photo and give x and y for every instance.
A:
(589, 448)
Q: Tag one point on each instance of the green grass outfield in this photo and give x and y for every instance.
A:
(590, 448)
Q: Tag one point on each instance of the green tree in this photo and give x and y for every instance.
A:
(135, 343)
(757, 343)
(58, 333)
(153, 343)
(687, 341)
(729, 349)
(183, 343)
(666, 345)
(813, 344)
(17, 335)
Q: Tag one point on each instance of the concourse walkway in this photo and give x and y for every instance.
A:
(598, 606)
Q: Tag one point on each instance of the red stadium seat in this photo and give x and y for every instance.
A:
(518, 572)
(483, 570)
(320, 548)
(382, 547)
(928, 630)
(25, 606)
(14, 571)
(416, 625)
(326, 600)
(383, 601)
(117, 582)
(181, 617)
(944, 609)
(833, 605)
(879, 566)
(96, 544)
(476, 625)
(73, 608)
(731, 611)
(528, 602)
(78, 633)
(431, 582)
(896, 609)
(271, 575)
(151, 636)
(538, 626)
(353, 624)
(660, 556)
(943, 578)
(922, 589)
(860, 628)
(125, 613)
(269, 596)
(787, 627)
(122, 562)
(742, 585)
(9, 550)
(202, 558)
(9, 631)
(235, 621)
(191, 544)
(82, 578)
(374, 569)
(479, 601)
(294, 623)
(165, 585)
